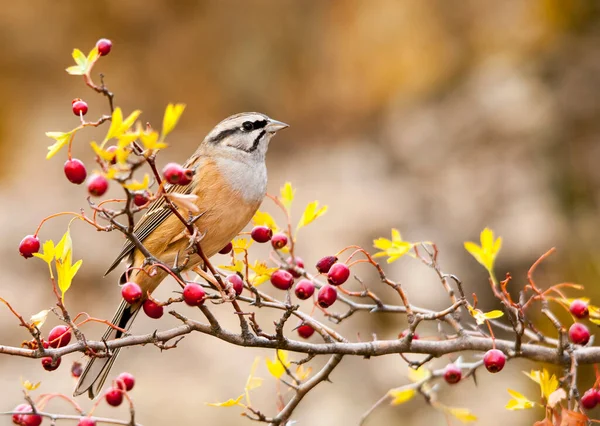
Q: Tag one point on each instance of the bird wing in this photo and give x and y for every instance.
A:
(157, 213)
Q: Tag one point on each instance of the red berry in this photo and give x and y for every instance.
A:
(406, 333)
(338, 274)
(188, 175)
(86, 421)
(59, 336)
(29, 245)
(131, 292)
(305, 331)
(494, 360)
(173, 173)
(304, 289)
(227, 249)
(579, 309)
(236, 281)
(21, 408)
(112, 150)
(297, 262)
(140, 199)
(104, 45)
(75, 171)
(261, 234)
(325, 264)
(193, 294)
(126, 379)
(279, 241)
(76, 369)
(589, 400)
(114, 397)
(452, 374)
(579, 334)
(97, 185)
(326, 296)
(152, 309)
(282, 279)
(49, 365)
(79, 107)
(31, 419)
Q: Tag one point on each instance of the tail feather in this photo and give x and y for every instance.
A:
(97, 369)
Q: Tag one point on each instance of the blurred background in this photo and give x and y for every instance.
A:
(438, 118)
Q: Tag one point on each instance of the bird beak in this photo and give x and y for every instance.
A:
(275, 126)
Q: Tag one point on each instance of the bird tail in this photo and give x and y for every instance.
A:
(96, 371)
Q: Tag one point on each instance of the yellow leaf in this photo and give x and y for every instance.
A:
(481, 317)
(150, 141)
(29, 386)
(228, 403)
(592, 320)
(64, 269)
(418, 375)
(47, 252)
(487, 252)
(75, 70)
(261, 273)
(519, 402)
(39, 319)
(104, 154)
(81, 61)
(238, 266)
(400, 395)
(80, 58)
(394, 249)
(252, 382)
(93, 55)
(62, 139)
(278, 366)
(264, 219)
(241, 245)
(118, 126)
(303, 373)
(287, 195)
(64, 246)
(462, 414)
(548, 383)
(311, 212)
(139, 186)
(171, 117)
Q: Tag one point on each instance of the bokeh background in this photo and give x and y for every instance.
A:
(436, 117)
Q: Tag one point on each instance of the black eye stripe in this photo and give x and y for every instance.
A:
(256, 125)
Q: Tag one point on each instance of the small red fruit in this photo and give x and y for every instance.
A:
(126, 379)
(279, 241)
(86, 421)
(140, 199)
(31, 419)
(304, 289)
(29, 245)
(49, 365)
(305, 331)
(338, 274)
(261, 234)
(282, 279)
(236, 281)
(227, 249)
(114, 397)
(579, 334)
(193, 294)
(325, 264)
(112, 150)
(152, 309)
(326, 296)
(59, 336)
(579, 309)
(452, 374)
(589, 400)
(188, 175)
(76, 369)
(406, 333)
(297, 262)
(494, 360)
(79, 107)
(97, 185)
(17, 418)
(75, 171)
(131, 292)
(173, 173)
(104, 45)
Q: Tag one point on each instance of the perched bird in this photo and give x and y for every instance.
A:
(230, 182)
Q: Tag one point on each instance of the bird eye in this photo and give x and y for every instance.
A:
(247, 126)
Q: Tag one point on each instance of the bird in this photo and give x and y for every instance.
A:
(230, 182)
